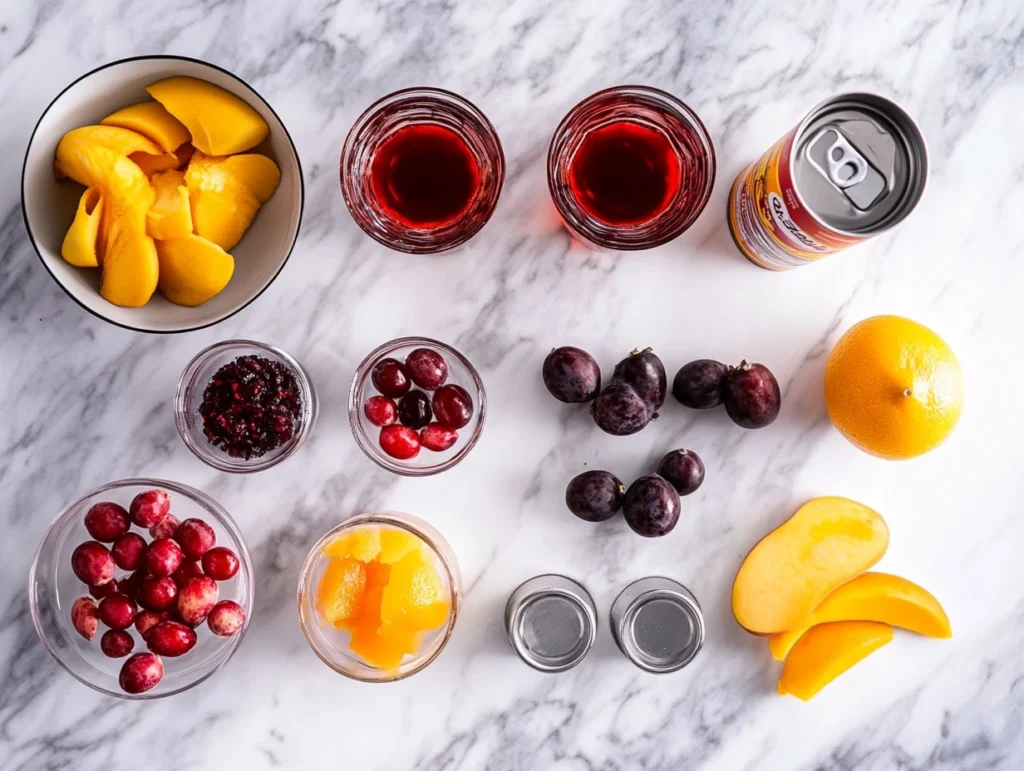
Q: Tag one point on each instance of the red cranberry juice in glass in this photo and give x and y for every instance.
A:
(421, 170)
(630, 168)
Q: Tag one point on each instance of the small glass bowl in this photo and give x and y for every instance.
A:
(53, 588)
(331, 644)
(460, 372)
(189, 397)
(420, 106)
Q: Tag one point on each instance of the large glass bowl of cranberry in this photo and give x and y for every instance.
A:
(416, 406)
(243, 406)
(141, 588)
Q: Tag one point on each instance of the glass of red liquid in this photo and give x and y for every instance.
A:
(630, 167)
(421, 170)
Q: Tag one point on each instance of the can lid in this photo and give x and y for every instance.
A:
(551, 622)
(859, 163)
(658, 624)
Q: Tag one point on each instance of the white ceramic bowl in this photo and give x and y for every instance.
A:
(49, 206)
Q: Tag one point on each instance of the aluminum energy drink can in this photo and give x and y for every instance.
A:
(658, 624)
(551, 622)
(854, 167)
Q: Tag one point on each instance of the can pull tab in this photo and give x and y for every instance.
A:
(842, 164)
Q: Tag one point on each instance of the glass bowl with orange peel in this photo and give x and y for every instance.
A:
(378, 596)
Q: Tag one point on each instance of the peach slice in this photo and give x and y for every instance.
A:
(192, 269)
(152, 120)
(361, 544)
(828, 650)
(220, 123)
(415, 596)
(79, 247)
(73, 160)
(872, 597)
(170, 216)
(340, 589)
(791, 570)
(395, 544)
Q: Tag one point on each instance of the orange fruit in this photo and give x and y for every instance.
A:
(367, 615)
(386, 647)
(395, 544)
(415, 596)
(893, 387)
(340, 591)
(361, 544)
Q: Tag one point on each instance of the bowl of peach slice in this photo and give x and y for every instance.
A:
(162, 193)
(379, 596)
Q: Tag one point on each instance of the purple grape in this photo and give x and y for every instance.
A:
(571, 375)
(620, 410)
(644, 371)
(414, 410)
(651, 506)
(683, 469)
(697, 385)
(751, 395)
(594, 496)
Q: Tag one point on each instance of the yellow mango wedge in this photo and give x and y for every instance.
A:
(791, 570)
(72, 159)
(79, 247)
(828, 650)
(152, 120)
(220, 123)
(192, 270)
(872, 597)
(170, 215)
(154, 164)
(222, 207)
(256, 172)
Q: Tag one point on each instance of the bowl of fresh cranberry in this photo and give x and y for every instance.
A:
(416, 406)
(141, 588)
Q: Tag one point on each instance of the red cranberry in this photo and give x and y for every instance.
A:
(196, 538)
(147, 619)
(106, 521)
(414, 410)
(189, 569)
(380, 410)
(226, 618)
(105, 590)
(390, 377)
(116, 643)
(165, 527)
(85, 617)
(149, 507)
(169, 638)
(400, 442)
(163, 557)
(128, 551)
(220, 563)
(196, 599)
(427, 368)
(117, 611)
(131, 585)
(438, 438)
(453, 406)
(92, 563)
(157, 593)
(141, 672)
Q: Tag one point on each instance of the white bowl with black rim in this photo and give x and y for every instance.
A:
(49, 206)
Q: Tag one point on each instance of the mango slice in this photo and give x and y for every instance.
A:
(791, 570)
(152, 120)
(415, 595)
(872, 597)
(386, 647)
(170, 216)
(256, 172)
(220, 123)
(363, 544)
(73, 158)
(340, 589)
(828, 650)
(192, 269)
(222, 207)
(395, 544)
(79, 247)
(154, 164)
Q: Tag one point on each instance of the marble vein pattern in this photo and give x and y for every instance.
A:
(84, 402)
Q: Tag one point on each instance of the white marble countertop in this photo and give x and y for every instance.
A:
(84, 402)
